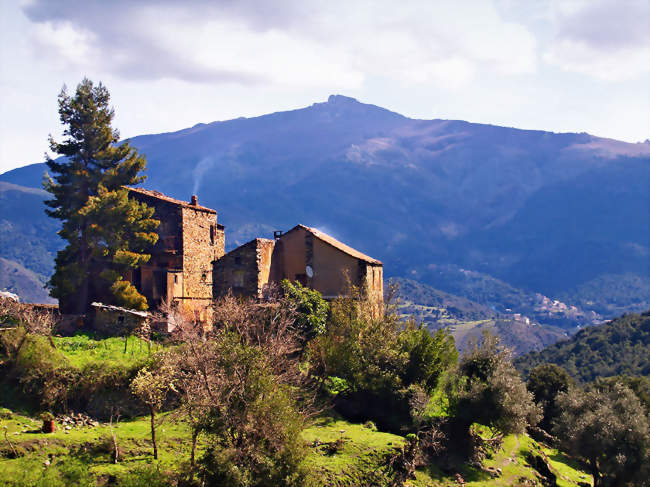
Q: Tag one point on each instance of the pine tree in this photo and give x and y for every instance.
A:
(107, 233)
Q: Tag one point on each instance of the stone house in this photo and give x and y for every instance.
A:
(302, 254)
(189, 266)
(113, 320)
(180, 268)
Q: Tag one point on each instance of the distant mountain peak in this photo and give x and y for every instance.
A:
(341, 100)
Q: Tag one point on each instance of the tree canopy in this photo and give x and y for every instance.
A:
(606, 425)
(106, 232)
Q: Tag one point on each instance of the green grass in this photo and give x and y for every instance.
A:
(92, 446)
(83, 349)
(511, 458)
(339, 452)
(568, 471)
(360, 459)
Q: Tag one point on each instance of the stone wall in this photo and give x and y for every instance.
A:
(151, 279)
(244, 271)
(203, 243)
(372, 280)
(115, 321)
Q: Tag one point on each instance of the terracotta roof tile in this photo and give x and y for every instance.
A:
(163, 197)
(338, 245)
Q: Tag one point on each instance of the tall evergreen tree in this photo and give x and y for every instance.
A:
(107, 233)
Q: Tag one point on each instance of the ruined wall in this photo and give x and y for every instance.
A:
(372, 278)
(244, 271)
(115, 322)
(151, 278)
(169, 231)
(264, 258)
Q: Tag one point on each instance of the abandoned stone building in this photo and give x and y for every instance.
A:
(190, 241)
(302, 254)
(189, 266)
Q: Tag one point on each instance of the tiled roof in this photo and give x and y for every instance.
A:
(158, 195)
(338, 245)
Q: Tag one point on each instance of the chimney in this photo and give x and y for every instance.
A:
(194, 201)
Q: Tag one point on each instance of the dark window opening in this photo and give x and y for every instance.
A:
(212, 234)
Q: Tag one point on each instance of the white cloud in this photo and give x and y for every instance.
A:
(334, 44)
(605, 39)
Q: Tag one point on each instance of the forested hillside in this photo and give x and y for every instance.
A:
(28, 242)
(619, 347)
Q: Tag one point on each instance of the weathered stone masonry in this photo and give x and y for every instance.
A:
(246, 270)
(180, 268)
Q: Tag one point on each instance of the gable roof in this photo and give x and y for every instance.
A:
(163, 197)
(328, 239)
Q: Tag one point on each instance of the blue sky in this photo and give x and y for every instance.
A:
(559, 65)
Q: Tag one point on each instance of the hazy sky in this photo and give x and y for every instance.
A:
(559, 65)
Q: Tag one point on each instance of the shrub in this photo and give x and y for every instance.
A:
(44, 373)
(487, 389)
(312, 309)
(379, 359)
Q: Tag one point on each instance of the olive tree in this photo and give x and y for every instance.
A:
(606, 425)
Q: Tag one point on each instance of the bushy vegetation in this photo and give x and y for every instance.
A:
(377, 366)
(619, 347)
(251, 402)
(78, 373)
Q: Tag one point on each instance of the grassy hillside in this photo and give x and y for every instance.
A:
(338, 452)
(82, 455)
(618, 347)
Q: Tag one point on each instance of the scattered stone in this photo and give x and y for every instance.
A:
(47, 463)
(76, 420)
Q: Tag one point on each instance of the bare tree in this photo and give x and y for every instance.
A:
(21, 320)
(151, 386)
(237, 382)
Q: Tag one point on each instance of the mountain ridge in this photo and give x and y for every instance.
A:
(510, 203)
